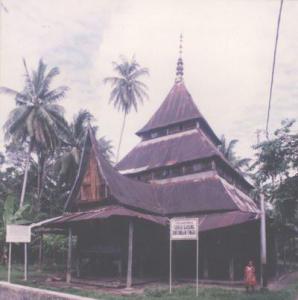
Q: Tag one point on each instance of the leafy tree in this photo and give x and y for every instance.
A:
(228, 150)
(37, 120)
(276, 157)
(127, 89)
(275, 172)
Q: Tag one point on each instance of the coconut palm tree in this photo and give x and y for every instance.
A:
(127, 89)
(228, 150)
(37, 119)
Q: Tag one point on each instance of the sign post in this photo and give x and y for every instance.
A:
(18, 234)
(182, 229)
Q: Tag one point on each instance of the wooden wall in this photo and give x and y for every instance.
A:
(93, 186)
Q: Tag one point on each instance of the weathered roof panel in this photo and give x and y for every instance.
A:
(207, 194)
(207, 222)
(105, 213)
(177, 107)
(223, 220)
(168, 150)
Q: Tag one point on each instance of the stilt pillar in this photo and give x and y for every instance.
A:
(231, 269)
(130, 250)
(40, 252)
(263, 242)
(205, 270)
(69, 254)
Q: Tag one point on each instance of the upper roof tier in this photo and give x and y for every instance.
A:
(178, 107)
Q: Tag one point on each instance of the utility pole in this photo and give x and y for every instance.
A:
(263, 244)
(273, 67)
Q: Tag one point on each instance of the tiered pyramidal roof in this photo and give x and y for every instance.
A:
(175, 138)
(175, 170)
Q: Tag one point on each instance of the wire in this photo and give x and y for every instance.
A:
(273, 68)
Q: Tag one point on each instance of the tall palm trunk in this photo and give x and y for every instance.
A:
(27, 164)
(121, 136)
(40, 181)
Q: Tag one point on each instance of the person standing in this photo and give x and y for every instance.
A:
(250, 276)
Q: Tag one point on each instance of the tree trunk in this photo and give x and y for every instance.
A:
(25, 176)
(121, 136)
(40, 181)
(69, 256)
(40, 252)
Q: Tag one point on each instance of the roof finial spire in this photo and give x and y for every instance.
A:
(179, 68)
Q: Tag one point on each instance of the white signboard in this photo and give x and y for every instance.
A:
(184, 228)
(18, 234)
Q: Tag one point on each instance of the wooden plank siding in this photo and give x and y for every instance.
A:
(93, 186)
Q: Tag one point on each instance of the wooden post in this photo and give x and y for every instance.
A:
(231, 269)
(25, 261)
(9, 263)
(170, 267)
(205, 264)
(197, 260)
(130, 249)
(69, 250)
(263, 243)
(78, 270)
(40, 252)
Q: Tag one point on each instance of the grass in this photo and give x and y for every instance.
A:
(182, 293)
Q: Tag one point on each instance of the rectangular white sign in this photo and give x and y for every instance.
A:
(18, 234)
(184, 228)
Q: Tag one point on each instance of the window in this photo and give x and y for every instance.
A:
(189, 125)
(175, 171)
(162, 173)
(154, 135)
(197, 167)
(145, 176)
(174, 129)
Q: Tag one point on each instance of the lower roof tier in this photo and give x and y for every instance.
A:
(206, 193)
(207, 222)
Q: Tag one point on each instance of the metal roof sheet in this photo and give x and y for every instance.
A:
(207, 221)
(168, 150)
(206, 194)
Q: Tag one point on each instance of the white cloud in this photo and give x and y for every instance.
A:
(228, 47)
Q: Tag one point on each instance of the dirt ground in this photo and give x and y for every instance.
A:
(284, 281)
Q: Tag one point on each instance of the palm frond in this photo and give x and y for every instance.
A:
(19, 97)
(127, 91)
(29, 86)
(80, 121)
(55, 95)
(48, 79)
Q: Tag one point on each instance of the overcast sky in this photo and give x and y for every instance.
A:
(227, 52)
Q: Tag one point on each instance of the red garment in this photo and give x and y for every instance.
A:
(250, 276)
